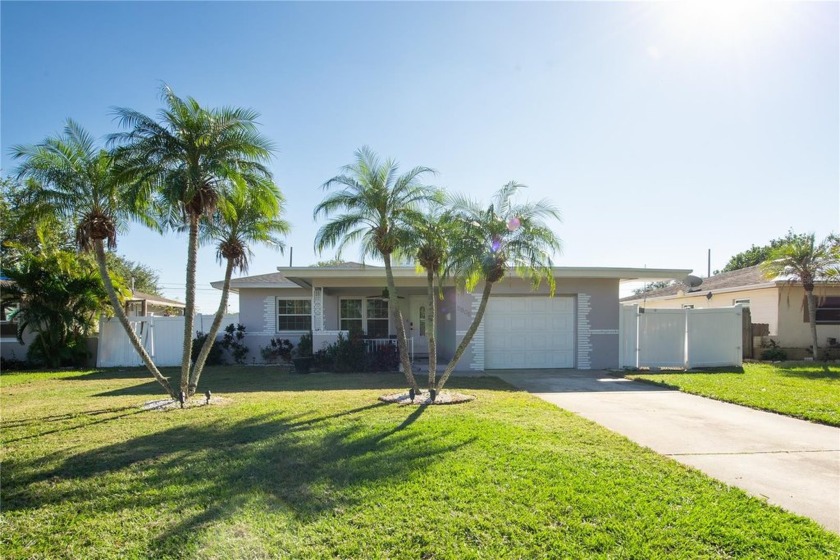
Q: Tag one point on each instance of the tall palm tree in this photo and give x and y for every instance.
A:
(249, 214)
(373, 206)
(186, 161)
(804, 261)
(491, 240)
(76, 180)
(427, 243)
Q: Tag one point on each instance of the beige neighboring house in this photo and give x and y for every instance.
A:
(776, 302)
(523, 328)
(145, 305)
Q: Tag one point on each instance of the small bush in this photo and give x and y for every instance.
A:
(279, 350)
(214, 358)
(232, 342)
(12, 364)
(774, 355)
(304, 347)
(73, 353)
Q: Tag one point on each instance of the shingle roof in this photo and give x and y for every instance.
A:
(151, 298)
(749, 276)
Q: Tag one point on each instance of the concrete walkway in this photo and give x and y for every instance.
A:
(792, 463)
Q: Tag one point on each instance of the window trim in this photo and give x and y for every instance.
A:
(364, 317)
(277, 300)
(743, 302)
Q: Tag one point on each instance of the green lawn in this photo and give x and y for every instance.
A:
(801, 389)
(314, 467)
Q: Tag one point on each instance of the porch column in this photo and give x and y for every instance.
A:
(317, 309)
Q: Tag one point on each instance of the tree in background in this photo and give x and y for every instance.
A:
(251, 213)
(652, 287)
(804, 261)
(757, 255)
(75, 181)
(490, 240)
(185, 161)
(374, 205)
(60, 296)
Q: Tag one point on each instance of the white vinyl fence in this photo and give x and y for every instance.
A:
(163, 338)
(680, 338)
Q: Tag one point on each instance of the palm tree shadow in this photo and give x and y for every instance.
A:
(307, 468)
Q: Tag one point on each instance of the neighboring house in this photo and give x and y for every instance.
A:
(10, 347)
(522, 328)
(145, 305)
(778, 303)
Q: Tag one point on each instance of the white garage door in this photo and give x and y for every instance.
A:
(529, 333)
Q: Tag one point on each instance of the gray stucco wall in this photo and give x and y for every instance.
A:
(258, 312)
(596, 319)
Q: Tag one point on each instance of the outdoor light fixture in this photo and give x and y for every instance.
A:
(433, 394)
(411, 394)
(182, 398)
(709, 295)
(208, 394)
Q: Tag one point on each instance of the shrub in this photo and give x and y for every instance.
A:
(774, 354)
(13, 364)
(304, 347)
(232, 342)
(214, 358)
(278, 350)
(385, 357)
(72, 353)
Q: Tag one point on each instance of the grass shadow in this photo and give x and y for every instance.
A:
(305, 467)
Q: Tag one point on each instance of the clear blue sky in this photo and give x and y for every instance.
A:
(659, 130)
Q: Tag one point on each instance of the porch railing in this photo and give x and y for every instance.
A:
(373, 345)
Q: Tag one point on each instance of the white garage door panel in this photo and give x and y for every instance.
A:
(529, 333)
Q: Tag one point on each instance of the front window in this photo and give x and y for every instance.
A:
(294, 314)
(367, 315)
(351, 315)
(828, 311)
(377, 318)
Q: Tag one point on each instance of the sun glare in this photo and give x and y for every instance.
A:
(723, 24)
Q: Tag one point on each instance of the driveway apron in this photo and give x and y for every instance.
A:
(791, 463)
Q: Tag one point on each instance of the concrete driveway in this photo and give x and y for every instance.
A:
(792, 463)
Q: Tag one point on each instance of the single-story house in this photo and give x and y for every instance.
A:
(141, 304)
(522, 328)
(775, 302)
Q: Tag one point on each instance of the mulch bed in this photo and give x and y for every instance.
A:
(423, 399)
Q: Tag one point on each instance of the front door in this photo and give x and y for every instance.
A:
(418, 324)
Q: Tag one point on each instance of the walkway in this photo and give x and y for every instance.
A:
(792, 463)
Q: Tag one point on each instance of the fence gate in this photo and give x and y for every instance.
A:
(680, 338)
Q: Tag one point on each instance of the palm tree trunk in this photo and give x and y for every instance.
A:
(189, 304)
(99, 251)
(431, 333)
(402, 342)
(214, 330)
(485, 297)
(812, 318)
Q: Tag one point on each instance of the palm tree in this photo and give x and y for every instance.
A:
(427, 243)
(249, 214)
(804, 261)
(374, 205)
(489, 241)
(186, 162)
(76, 180)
